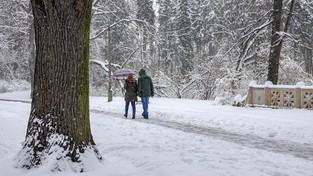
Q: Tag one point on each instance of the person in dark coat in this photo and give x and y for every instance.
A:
(131, 88)
(145, 90)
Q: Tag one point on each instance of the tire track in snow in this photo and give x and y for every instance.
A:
(299, 150)
(18, 101)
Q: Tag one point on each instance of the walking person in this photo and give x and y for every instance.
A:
(145, 90)
(131, 88)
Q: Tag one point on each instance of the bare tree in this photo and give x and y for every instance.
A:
(59, 125)
(277, 39)
(13, 40)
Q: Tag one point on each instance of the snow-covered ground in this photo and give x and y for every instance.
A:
(181, 138)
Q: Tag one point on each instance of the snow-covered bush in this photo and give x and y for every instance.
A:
(229, 86)
(290, 73)
(14, 85)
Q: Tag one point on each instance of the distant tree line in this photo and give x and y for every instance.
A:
(192, 48)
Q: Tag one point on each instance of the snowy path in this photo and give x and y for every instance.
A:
(304, 151)
(181, 138)
(299, 150)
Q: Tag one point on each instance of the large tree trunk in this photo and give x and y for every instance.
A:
(276, 42)
(59, 125)
(308, 58)
(31, 59)
(277, 39)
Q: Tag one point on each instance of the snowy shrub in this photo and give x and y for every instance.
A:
(239, 100)
(290, 73)
(14, 85)
(232, 85)
(224, 90)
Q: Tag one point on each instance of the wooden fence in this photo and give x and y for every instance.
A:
(280, 96)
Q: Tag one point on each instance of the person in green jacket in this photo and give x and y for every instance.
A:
(145, 91)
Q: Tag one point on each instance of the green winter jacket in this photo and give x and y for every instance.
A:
(145, 85)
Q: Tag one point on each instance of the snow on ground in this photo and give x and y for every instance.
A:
(182, 137)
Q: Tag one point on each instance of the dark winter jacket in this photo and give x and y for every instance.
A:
(131, 88)
(145, 85)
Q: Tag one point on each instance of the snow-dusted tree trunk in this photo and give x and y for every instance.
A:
(277, 39)
(31, 59)
(276, 42)
(59, 126)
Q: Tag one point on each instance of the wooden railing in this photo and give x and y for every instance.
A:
(280, 96)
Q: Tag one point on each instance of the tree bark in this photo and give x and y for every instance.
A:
(110, 95)
(276, 42)
(59, 124)
(308, 63)
(31, 59)
(277, 39)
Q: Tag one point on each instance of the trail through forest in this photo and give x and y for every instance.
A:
(181, 137)
(304, 151)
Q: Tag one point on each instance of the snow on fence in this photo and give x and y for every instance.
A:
(280, 96)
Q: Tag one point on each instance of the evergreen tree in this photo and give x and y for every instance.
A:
(145, 11)
(146, 14)
(302, 31)
(185, 49)
(167, 35)
(197, 27)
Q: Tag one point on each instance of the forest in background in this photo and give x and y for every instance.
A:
(199, 49)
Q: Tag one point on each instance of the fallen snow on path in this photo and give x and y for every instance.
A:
(182, 137)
